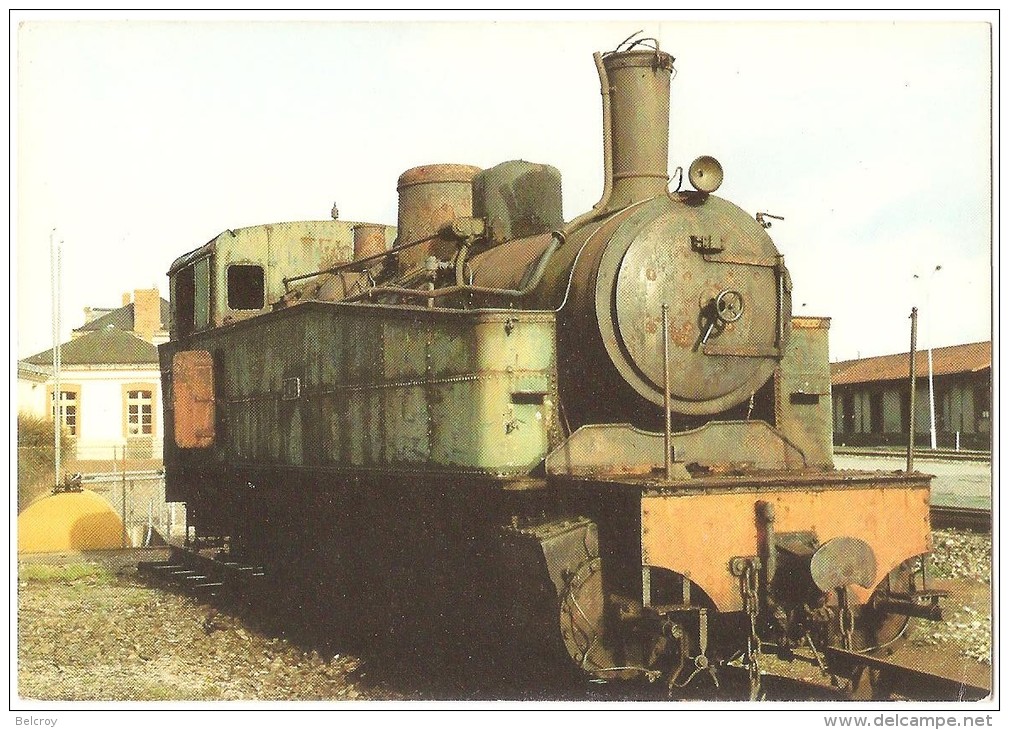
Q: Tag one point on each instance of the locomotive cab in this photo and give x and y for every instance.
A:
(243, 273)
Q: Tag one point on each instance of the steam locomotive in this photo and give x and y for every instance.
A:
(605, 442)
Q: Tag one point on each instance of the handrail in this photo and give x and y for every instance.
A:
(530, 282)
(344, 266)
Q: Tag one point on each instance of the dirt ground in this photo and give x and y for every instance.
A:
(89, 629)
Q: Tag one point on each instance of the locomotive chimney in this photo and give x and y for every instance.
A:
(638, 144)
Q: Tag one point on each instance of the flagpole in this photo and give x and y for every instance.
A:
(55, 253)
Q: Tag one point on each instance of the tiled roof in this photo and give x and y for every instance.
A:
(122, 319)
(107, 347)
(970, 358)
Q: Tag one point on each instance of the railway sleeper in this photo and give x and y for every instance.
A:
(202, 575)
(158, 566)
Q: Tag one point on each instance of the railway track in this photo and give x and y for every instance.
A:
(214, 580)
(919, 454)
(962, 518)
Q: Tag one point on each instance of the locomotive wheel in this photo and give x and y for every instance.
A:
(583, 625)
(582, 616)
(877, 630)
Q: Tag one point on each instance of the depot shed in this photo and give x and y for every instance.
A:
(871, 398)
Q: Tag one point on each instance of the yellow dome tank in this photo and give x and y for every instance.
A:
(69, 521)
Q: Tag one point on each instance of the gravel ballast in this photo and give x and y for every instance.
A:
(89, 629)
(962, 560)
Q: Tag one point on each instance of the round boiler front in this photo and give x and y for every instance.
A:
(727, 295)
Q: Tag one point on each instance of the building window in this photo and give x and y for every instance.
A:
(246, 287)
(138, 409)
(139, 412)
(69, 409)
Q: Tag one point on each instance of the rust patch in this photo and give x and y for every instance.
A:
(193, 399)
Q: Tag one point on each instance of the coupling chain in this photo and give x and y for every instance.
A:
(846, 620)
(751, 604)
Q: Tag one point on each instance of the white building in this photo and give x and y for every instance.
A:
(110, 382)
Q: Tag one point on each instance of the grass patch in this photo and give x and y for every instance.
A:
(41, 573)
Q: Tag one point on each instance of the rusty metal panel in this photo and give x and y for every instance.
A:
(404, 349)
(193, 399)
(515, 340)
(601, 449)
(354, 386)
(282, 249)
(371, 387)
(803, 410)
(405, 425)
(492, 390)
(518, 199)
(478, 424)
(452, 350)
(697, 534)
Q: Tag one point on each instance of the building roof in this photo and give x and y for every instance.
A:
(106, 347)
(122, 319)
(33, 371)
(970, 358)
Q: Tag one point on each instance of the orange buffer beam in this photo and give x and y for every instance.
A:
(698, 534)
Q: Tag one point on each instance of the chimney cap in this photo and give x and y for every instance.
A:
(651, 58)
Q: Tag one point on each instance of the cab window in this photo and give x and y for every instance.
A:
(246, 287)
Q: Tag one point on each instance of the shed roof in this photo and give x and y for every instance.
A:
(123, 319)
(970, 358)
(106, 347)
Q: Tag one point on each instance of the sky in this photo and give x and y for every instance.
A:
(139, 141)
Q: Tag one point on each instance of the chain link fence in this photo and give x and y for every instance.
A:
(138, 497)
(134, 490)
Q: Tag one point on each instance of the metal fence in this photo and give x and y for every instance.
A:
(138, 497)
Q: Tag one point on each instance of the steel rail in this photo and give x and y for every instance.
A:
(963, 518)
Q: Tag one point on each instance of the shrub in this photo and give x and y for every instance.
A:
(37, 456)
